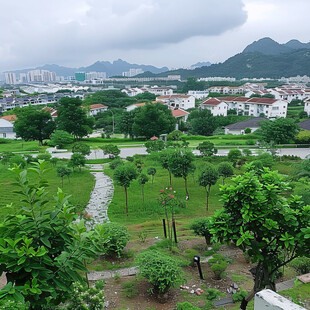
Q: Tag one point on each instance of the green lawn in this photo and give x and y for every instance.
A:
(20, 146)
(80, 186)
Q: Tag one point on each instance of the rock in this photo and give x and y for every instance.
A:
(229, 290)
(234, 291)
(192, 291)
(235, 286)
(156, 238)
(194, 285)
(197, 292)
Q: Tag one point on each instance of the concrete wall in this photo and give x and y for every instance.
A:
(270, 300)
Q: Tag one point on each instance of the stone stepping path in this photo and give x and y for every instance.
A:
(101, 195)
(108, 274)
(222, 302)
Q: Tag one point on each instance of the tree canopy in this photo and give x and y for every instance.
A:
(153, 120)
(202, 122)
(34, 124)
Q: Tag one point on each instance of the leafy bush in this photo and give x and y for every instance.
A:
(190, 253)
(201, 228)
(266, 159)
(117, 236)
(60, 138)
(130, 158)
(162, 271)
(87, 298)
(218, 265)
(18, 160)
(247, 130)
(30, 159)
(115, 163)
(234, 156)
(174, 135)
(44, 156)
(239, 295)
(129, 288)
(301, 264)
(213, 294)
(186, 306)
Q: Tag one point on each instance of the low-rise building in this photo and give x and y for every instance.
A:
(178, 101)
(198, 94)
(180, 115)
(307, 106)
(7, 129)
(216, 106)
(94, 109)
(239, 128)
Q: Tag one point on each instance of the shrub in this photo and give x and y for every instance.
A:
(190, 253)
(250, 142)
(246, 152)
(18, 160)
(266, 159)
(218, 265)
(82, 148)
(130, 158)
(201, 227)
(162, 271)
(239, 295)
(174, 135)
(30, 159)
(234, 156)
(60, 138)
(213, 294)
(301, 264)
(115, 163)
(44, 156)
(117, 236)
(129, 289)
(247, 130)
(186, 306)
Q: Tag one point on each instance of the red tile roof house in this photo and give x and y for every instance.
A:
(97, 108)
(180, 115)
(216, 106)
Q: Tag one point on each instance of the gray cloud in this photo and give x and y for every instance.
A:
(75, 31)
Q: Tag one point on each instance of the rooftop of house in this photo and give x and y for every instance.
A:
(97, 106)
(179, 113)
(253, 122)
(10, 118)
(212, 101)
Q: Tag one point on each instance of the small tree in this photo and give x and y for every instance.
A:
(111, 150)
(206, 148)
(151, 171)
(63, 171)
(263, 223)
(139, 163)
(163, 158)
(154, 145)
(207, 178)
(81, 148)
(77, 160)
(234, 156)
(247, 130)
(123, 176)
(54, 161)
(143, 179)
(60, 138)
(225, 170)
(181, 164)
(174, 135)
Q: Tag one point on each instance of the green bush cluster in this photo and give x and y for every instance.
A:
(115, 163)
(239, 295)
(301, 264)
(218, 265)
(117, 236)
(186, 306)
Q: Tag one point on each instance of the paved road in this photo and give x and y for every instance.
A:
(130, 151)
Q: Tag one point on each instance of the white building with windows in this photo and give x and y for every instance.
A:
(94, 109)
(216, 106)
(184, 102)
(307, 106)
(198, 94)
(7, 129)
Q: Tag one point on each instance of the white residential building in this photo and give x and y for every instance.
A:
(289, 94)
(159, 91)
(198, 94)
(226, 90)
(271, 108)
(7, 129)
(216, 106)
(307, 106)
(178, 101)
(97, 108)
(131, 92)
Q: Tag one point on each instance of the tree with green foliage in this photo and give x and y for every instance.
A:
(63, 171)
(81, 148)
(247, 130)
(193, 84)
(271, 228)
(110, 149)
(72, 117)
(139, 163)
(181, 164)
(155, 145)
(280, 130)
(174, 135)
(206, 148)
(33, 124)
(234, 156)
(43, 249)
(126, 123)
(153, 120)
(303, 136)
(123, 176)
(77, 160)
(151, 171)
(225, 170)
(202, 122)
(208, 177)
(143, 179)
(60, 138)
(163, 157)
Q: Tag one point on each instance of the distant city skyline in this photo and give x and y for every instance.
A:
(174, 33)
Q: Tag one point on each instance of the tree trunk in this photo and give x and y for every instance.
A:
(126, 197)
(170, 183)
(208, 193)
(186, 190)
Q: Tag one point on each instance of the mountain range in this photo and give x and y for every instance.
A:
(114, 68)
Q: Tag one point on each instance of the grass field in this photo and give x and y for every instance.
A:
(20, 146)
(80, 186)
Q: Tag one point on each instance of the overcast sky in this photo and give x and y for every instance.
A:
(173, 33)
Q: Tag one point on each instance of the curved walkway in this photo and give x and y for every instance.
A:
(101, 195)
